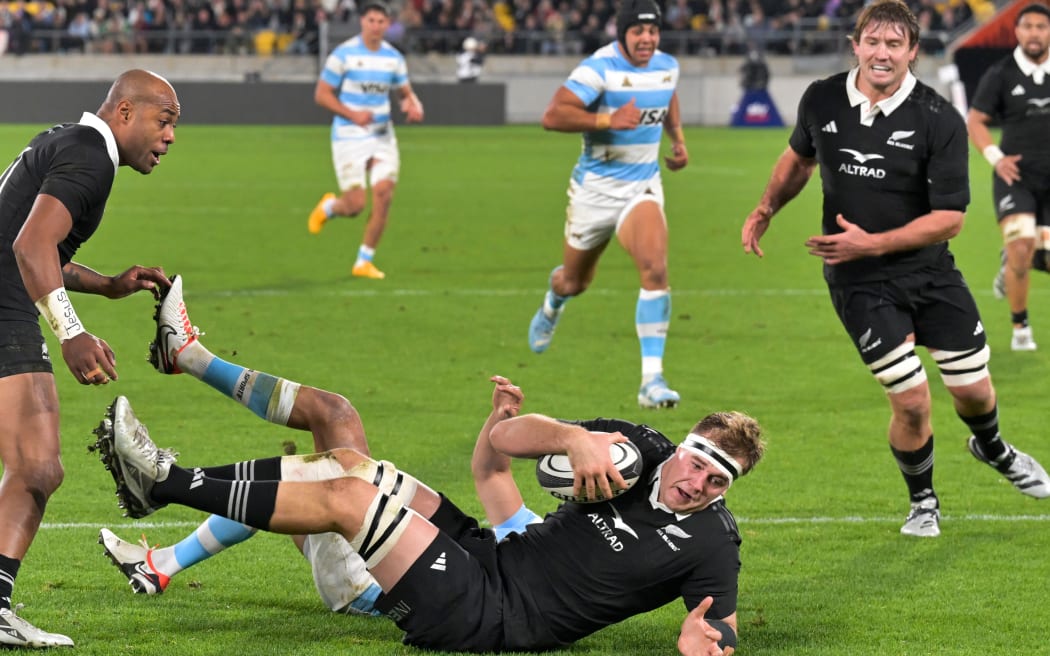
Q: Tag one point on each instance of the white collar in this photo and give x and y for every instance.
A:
(868, 112)
(1036, 71)
(654, 493)
(93, 121)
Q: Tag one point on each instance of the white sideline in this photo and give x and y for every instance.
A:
(537, 292)
(601, 291)
(740, 520)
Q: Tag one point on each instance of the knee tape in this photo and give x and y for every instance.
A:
(1018, 226)
(312, 467)
(959, 368)
(279, 409)
(387, 478)
(899, 370)
(384, 523)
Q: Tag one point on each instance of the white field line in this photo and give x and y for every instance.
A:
(602, 291)
(126, 526)
(263, 293)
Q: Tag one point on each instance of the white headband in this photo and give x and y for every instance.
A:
(707, 450)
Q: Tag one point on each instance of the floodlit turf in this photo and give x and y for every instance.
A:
(475, 229)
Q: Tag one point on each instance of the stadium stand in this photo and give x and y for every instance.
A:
(533, 27)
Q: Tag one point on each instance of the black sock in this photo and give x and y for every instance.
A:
(917, 468)
(1019, 318)
(262, 469)
(8, 572)
(247, 502)
(985, 429)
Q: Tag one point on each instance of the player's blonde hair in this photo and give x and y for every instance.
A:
(736, 433)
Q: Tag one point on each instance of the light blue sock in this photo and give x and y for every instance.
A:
(652, 318)
(211, 537)
(365, 254)
(267, 396)
(553, 302)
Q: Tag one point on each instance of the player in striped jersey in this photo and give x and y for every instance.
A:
(622, 98)
(355, 86)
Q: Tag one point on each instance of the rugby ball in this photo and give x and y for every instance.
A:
(554, 472)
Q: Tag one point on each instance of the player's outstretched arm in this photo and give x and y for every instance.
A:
(491, 469)
(80, 278)
(789, 177)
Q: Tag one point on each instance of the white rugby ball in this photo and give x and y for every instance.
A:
(554, 472)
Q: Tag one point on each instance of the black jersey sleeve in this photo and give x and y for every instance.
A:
(801, 140)
(80, 176)
(988, 97)
(716, 578)
(948, 170)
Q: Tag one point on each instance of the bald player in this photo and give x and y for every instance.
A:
(52, 198)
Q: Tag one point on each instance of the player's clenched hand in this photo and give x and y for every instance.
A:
(593, 470)
(698, 638)
(679, 157)
(626, 117)
(89, 359)
(362, 117)
(506, 398)
(136, 279)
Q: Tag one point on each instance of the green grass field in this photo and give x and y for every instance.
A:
(475, 229)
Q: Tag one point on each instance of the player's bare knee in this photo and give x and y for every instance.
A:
(653, 275)
(912, 412)
(352, 202)
(383, 195)
(565, 285)
(335, 423)
(40, 480)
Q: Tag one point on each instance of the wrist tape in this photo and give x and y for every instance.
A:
(57, 310)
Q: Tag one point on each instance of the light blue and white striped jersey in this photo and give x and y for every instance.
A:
(605, 81)
(364, 79)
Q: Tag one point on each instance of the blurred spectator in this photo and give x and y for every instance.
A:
(754, 73)
(18, 26)
(470, 61)
(508, 26)
(203, 39)
(81, 33)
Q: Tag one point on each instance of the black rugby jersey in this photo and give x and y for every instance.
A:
(75, 163)
(883, 176)
(1022, 107)
(588, 566)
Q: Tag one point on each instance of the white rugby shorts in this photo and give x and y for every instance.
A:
(592, 218)
(351, 159)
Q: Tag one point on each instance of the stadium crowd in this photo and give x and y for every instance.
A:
(569, 27)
